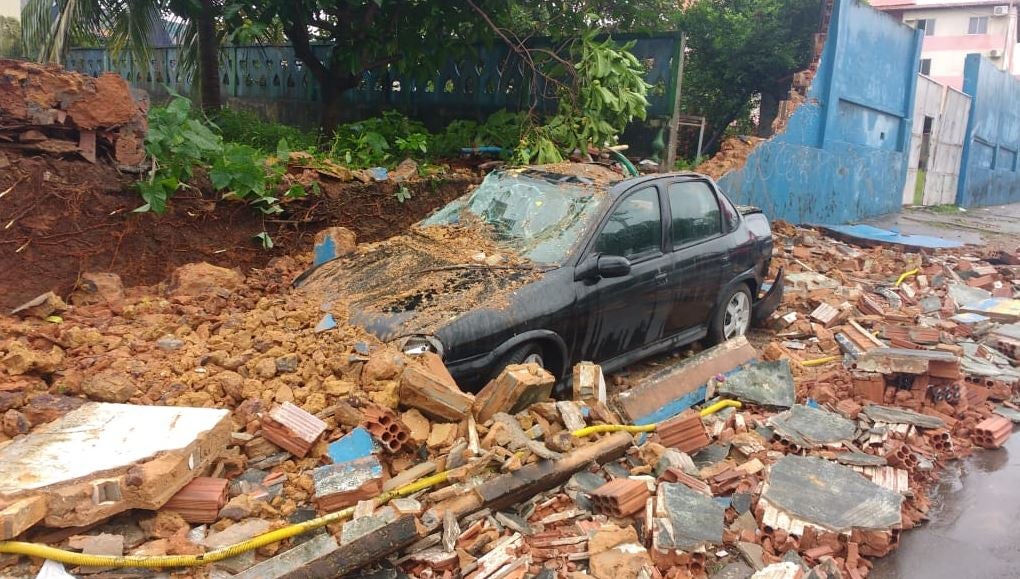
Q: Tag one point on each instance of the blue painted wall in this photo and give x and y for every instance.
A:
(990, 174)
(843, 155)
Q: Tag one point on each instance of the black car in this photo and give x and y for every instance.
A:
(560, 264)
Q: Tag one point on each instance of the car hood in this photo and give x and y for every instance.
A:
(418, 283)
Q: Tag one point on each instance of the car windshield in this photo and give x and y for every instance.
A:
(534, 214)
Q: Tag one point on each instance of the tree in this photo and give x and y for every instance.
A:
(740, 50)
(10, 38)
(53, 26)
(419, 35)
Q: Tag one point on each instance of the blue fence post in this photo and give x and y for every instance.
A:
(971, 71)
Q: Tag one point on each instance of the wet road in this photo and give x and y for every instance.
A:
(974, 529)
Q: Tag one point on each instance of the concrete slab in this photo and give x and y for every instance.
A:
(102, 459)
(830, 495)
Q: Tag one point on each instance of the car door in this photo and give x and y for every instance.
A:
(700, 263)
(621, 314)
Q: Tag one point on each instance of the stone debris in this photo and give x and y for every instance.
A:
(46, 109)
(862, 386)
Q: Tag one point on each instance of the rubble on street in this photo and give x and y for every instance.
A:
(194, 419)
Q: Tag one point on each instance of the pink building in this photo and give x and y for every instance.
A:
(954, 29)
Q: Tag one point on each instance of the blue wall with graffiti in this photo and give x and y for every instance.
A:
(990, 173)
(843, 154)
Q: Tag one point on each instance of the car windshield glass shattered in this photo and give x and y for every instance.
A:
(534, 215)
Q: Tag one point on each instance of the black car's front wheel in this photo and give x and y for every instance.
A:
(524, 354)
(733, 317)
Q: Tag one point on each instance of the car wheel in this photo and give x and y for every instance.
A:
(733, 317)
(530, 353)
(526, 354)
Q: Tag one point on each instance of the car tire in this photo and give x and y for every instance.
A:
(733, 315)
(523, 354)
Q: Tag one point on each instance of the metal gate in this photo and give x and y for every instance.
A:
(946, 149)
(936, 143)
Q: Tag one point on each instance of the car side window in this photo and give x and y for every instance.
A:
(695, 212)
(729, 214)
(634, 228)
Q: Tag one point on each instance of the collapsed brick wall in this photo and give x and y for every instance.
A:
(46, 109)
(734, 151)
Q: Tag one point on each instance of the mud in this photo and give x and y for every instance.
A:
(64, 217)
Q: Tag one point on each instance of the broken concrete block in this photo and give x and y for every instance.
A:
(102, 459)
(293, 429)
(809, 427)
(200, 500)
(762, 383)
(417, 425)
(292, 560)
(589, 384)
(517, 387)
(433, 393)
(781, 570)
(342, 485)
(617, 554)
(830, 495)
(443, 434)
(101, 544)
(673, 389)
(236, 533)
(695, 520)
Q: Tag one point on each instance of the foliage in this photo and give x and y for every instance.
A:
(740, 48)
(370, 143)
(178, 142)
(245, 127)
(688, 165)
(501, 129)
(402, 194)
(607, 93)
(10, 38)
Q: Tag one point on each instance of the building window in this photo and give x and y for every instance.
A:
(926, 66)
(978, 25)
(926, 24)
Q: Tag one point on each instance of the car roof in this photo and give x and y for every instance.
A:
(598, 175)
(629, 183)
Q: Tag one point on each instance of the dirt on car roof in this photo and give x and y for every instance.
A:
(598, 174)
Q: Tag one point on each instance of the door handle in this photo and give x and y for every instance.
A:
(660, 279)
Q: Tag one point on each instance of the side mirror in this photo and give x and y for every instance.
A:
(613, 266)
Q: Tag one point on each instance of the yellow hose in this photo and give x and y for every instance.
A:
(599, 428)
(164, 561)
(905, 275)
(819, 361)
(719, 406)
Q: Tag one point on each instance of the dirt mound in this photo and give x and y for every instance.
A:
(62, 217)
(732, 155)
(51, 110)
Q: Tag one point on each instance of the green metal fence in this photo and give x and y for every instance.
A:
(272, 80)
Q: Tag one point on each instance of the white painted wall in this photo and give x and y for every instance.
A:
(947, 55)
